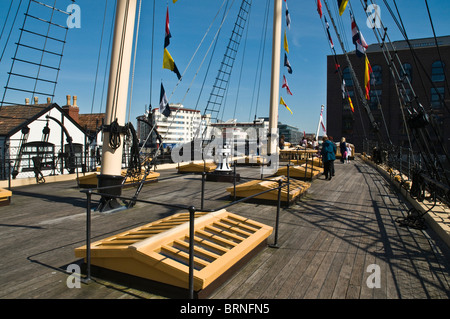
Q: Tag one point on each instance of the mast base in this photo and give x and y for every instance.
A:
(112, 185)
(222, 176)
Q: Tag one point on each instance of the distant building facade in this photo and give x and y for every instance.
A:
(179, 127)
(428, 74)
(291, 133)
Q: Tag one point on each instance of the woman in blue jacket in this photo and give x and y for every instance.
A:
(328, 153)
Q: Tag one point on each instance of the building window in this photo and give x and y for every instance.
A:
(347, 77)
(437, 71)
(406, 72)
(436, 95)
(376, 78)
(375, 99)
(347, 124)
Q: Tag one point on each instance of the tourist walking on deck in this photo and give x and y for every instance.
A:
(343, 149)
(328, 157)
(348, 153)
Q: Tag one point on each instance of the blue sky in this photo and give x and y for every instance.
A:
(189, 21)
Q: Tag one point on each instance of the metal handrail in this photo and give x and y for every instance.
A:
(91, 191)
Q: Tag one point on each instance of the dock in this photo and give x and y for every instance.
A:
(331, 243)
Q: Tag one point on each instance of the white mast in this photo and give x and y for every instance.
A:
(117, 93)
(275, 81)
(320, 123)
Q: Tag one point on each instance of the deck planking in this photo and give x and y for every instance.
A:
(326, 240)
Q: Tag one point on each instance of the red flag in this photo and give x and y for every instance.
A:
(285, 85)
(323, 126)
(319, 8)
(168, 35)
(358, 39)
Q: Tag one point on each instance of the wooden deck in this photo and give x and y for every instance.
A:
(326, 241)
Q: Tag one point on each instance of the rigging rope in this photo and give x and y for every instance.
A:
(195, 53)
(10, 31)
(437, 45)
(130, 95)
(151, 59)
(107, 55)
(426, 149)
(262, 50)
(99, 54)
(242, 67)
(6, 20)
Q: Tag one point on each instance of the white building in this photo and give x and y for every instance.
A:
(39, 136)
(181, 126)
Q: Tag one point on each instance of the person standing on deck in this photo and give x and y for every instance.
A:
(282, 142)
(343, 149)
(328, 157)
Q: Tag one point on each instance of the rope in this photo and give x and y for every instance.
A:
(7, 17)
(242, 67)
(99, 54)
(106, 60)
(195, 53)
(437, 45)
(260, 62)
(134, 61)
(10, 31)
(151, 58)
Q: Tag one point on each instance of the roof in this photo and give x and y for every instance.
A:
(91, 122)
(176, 108)
(415, 43)
(14, 117)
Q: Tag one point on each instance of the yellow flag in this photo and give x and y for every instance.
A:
(175, 1)
(351, 104)
(367, 74)
(342, 5)
(169, 63)
(284, 103)
(286, 46)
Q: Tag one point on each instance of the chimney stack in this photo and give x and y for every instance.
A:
(27, 101)
(49, 100)
(72, 110)
(36, 100)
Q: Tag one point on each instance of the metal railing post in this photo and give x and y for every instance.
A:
(191, 251)
(288, 185)
(234, 181)
(277, 221)
(88, 236)
(203, 190)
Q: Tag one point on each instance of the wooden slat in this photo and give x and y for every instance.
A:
(198, 250)
(217, 239)
(224, 233)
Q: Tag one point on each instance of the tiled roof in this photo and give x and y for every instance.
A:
(14, 117)
(91, 122)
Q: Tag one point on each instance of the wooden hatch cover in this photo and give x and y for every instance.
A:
(159, 251)
(296, 189)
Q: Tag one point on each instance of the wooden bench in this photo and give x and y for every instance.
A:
(5, 197)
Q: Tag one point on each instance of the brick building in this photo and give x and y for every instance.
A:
(428, 74)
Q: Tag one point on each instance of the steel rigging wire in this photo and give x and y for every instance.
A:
(99, 54)
(260, 63)
(425, 133)
(379, 106)
(420, 133)
(12, 27)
